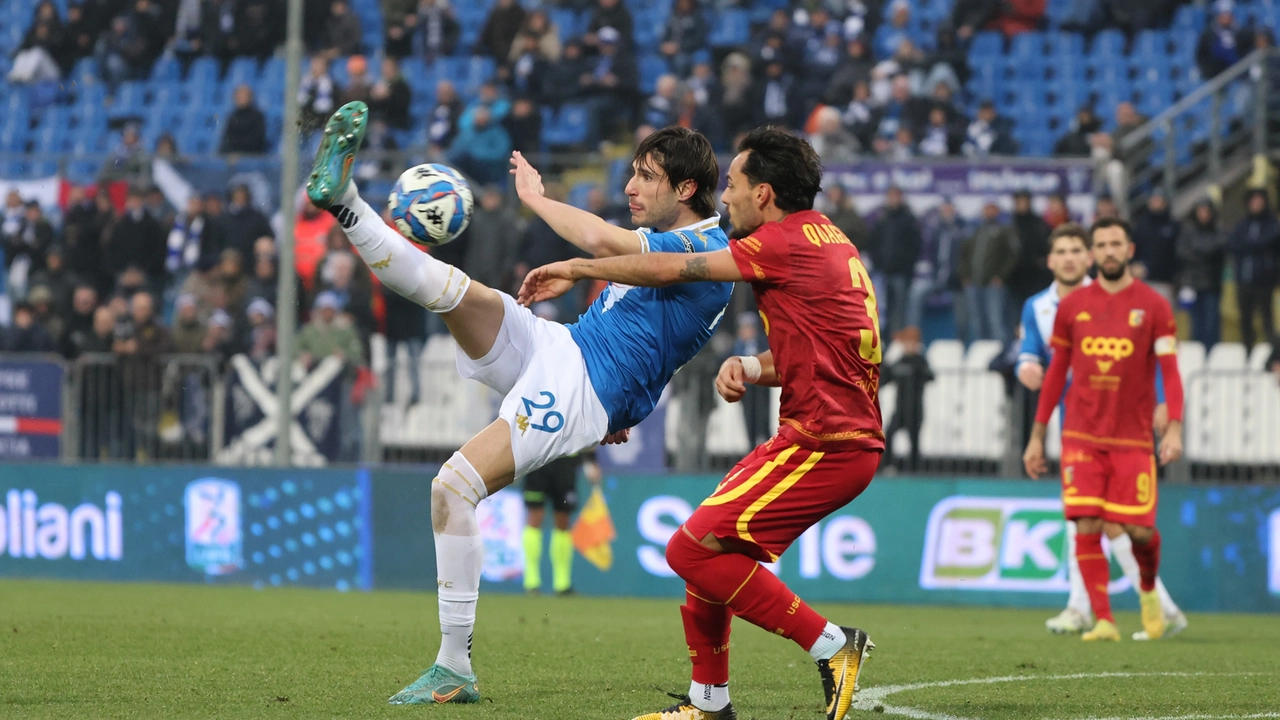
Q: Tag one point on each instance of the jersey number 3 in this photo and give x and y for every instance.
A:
(870, 348)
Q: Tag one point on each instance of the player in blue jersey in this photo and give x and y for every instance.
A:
(567, 388)
(1069, 261)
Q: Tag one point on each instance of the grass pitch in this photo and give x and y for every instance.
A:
(77, 650)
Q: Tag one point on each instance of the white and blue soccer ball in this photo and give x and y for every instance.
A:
(431, 204)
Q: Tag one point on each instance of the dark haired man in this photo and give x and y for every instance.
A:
(819, 311)
(1112, 335)
(567, 388)
(1069, 262)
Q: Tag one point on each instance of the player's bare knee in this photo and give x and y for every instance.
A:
(1113, 529)
(1140, 535)
(1089, 525)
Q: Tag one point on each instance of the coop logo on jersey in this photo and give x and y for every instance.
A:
(982, 543)
(215, 542)
(1114, 348)
(1273, 555)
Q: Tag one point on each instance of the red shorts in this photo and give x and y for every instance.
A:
(780, 490)
(1114, 484)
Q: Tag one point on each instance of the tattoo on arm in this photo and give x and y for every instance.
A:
(695, 269)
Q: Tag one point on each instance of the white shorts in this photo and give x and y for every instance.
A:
(550, 404)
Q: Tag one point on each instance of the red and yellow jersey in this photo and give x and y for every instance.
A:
(1112, 344)
(819, 312)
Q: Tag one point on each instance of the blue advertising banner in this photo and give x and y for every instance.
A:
(30, 409)
(955, 542)
(187, 524)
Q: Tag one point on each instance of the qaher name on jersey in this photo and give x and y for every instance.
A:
(634, 338)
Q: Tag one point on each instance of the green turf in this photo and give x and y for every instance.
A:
(102, 651)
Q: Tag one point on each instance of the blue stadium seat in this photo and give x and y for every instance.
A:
(1064, 43)
(1108, 43)
(166, 69)
(130, 100)
(566, 22)
(732, 28)
(570, 126)
(242, 71)
(651, 68)
(203, 69)
(85, 72)
(1151, 45)
(1189, 17)
(1027, 44)
(985, 45)
(1184, 43)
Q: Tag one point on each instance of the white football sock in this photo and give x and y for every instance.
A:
(828, 643)
(455, 492)
(399, 265)
(1078, 600)
(1166, 600)
(708, 698)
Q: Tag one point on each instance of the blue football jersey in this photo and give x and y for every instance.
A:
(635, 338)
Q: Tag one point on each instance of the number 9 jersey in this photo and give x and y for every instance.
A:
(819, 312)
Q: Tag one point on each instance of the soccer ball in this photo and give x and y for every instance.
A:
(431, 204)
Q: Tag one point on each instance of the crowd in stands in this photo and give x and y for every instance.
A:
(870, 77)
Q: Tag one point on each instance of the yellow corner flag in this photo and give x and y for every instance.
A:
(594, 531)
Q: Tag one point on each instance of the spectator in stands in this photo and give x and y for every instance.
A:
(540, 28)
(610, 14)
(989, 134)
(490, 97)
(1221, 43)
(442, 123)
(612, 79)
(563, 78)
(77, 38)
(157, 206)
(122, 53)
(188, 332)
(406, 326)
(395, 11)
(685, 33)
(329, 334)
(265, 280)
(836, 204)
(947, 64)
(1155, 240)
(889, 35)
(661, 110)
(220, 336)
(243, 223)
(184, 244)
(482, 149)
(823, 54)
(909, 374)
(260, 342)
(1202, 248)
(526, 72)
(855, 66)
(143, 335)
(1105, 207)
(900, 147)
(830, 140)
(316, 94)
(129, 160)
(1055, 211)
(988, 258)
(939, 138)
(1015, 17)
(970, 16)
(493, 239)
(895, 249)
(1254, 247)
(246, 128)
(1031, 272)
(895, 111)
(942, 242)
(259, 28)
(355, 292)
(59, 281)
(37, 58)
(524, 126)
(736, 94)
(82, 238)
(26, 335)
(390, 97)
(79, 326)
(41, 300)
(359, 84)
(232, 282)
(861, 116)
(24, 250)
(343, 35)
(500, 29)
(1078, 140)
(437, 29)
(137, 240)
(776, 99)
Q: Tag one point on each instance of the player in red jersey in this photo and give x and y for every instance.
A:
(1111, 335)
(819, 312)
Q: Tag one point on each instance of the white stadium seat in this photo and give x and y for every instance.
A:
(943, 354)
(1226, 356)
(1190, 358)
(981, 353)
(1258, 357)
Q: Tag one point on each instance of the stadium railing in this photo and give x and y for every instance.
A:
(1208, 139)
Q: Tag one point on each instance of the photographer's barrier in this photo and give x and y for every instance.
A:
(919, 541)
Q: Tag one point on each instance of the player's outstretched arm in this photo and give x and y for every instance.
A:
(579, 227)
(647, 270)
